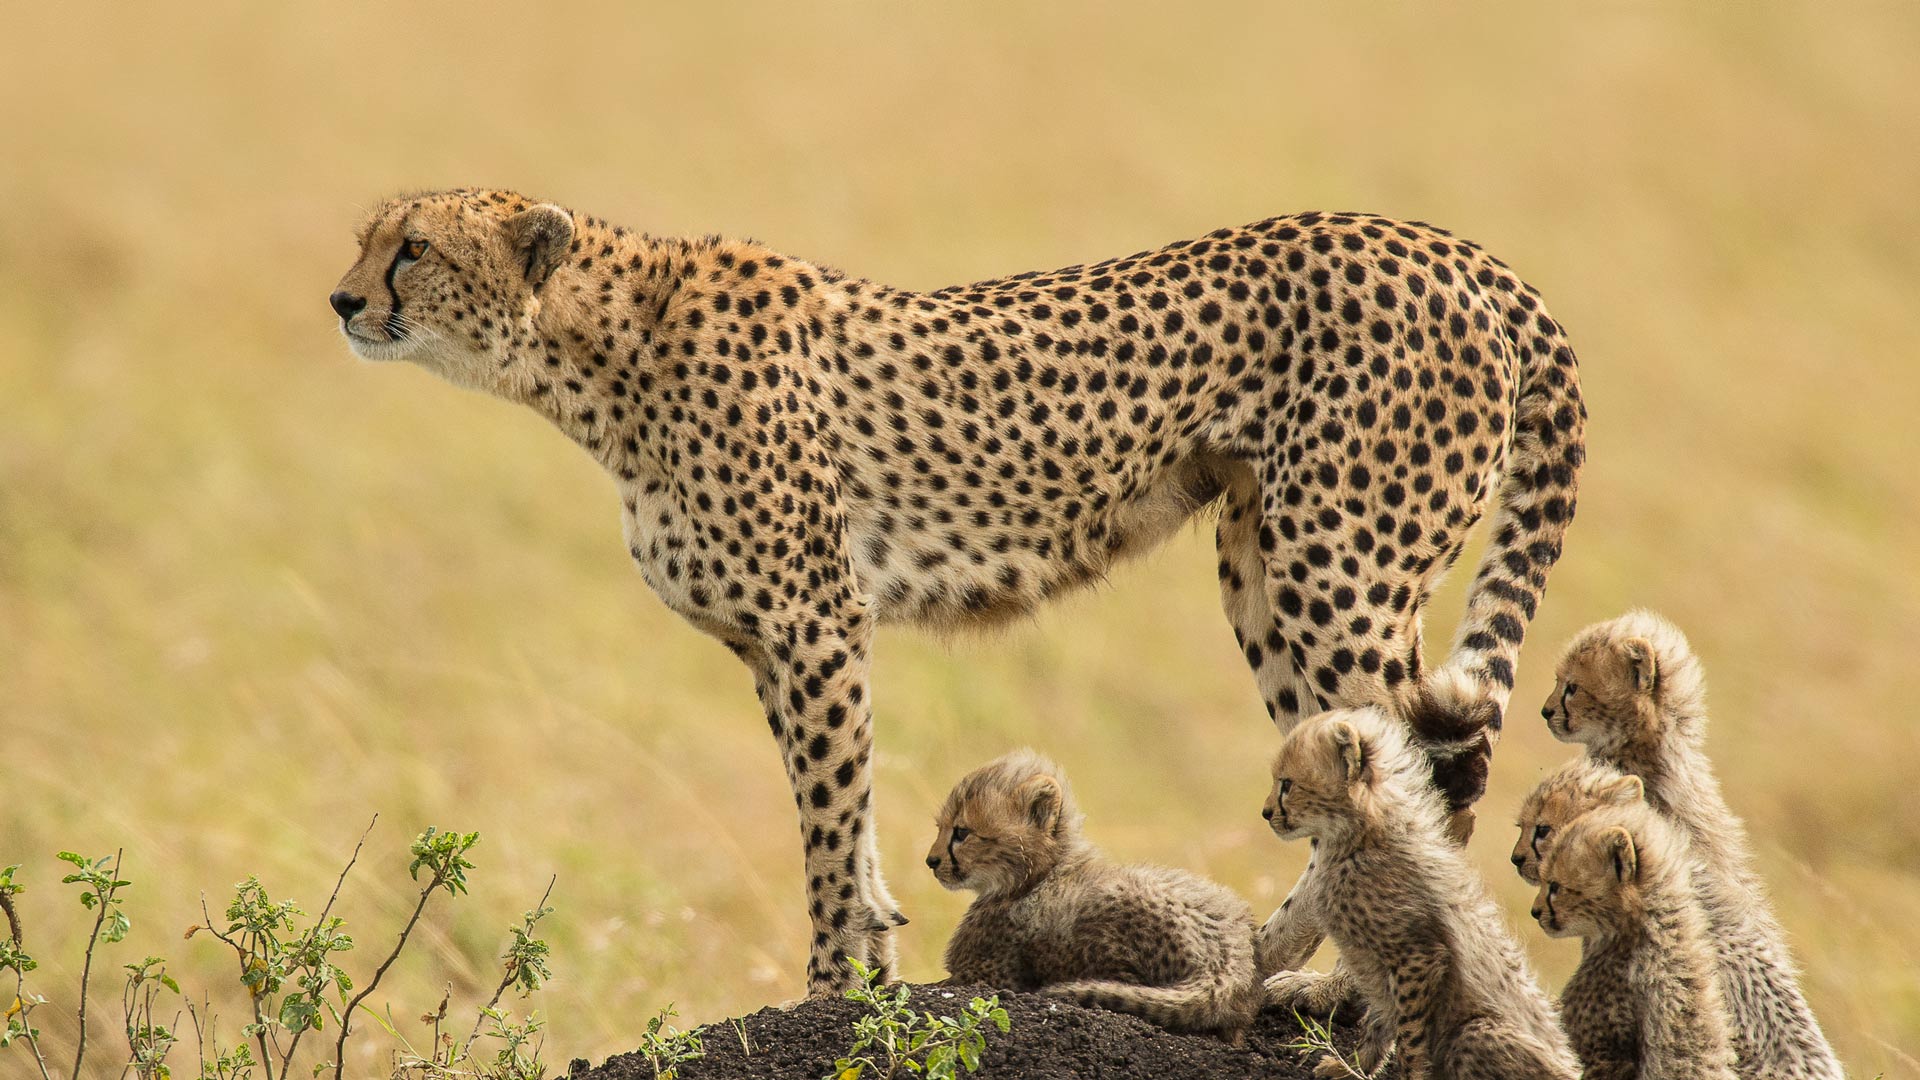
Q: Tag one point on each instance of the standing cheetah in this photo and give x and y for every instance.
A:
(802, 455)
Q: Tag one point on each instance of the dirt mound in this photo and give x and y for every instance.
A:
(1050, 1039)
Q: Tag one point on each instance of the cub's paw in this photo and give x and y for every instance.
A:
(1309, 993)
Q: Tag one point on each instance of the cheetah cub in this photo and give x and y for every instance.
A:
(1578, 786)
(1645, 1000)
(1446, 985)
(1631, 691)
(1051, 914)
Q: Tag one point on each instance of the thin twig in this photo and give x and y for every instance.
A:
(86, 968)
(505, 981)
(346, 1016)
(20, 984)
(286, 1060)
(259, 1021)
(13, 917)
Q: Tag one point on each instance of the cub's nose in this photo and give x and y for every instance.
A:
(933, 862)
(1519, 861)
(1267, 812)
(345, 304)
(1536, 914)
(1546, 711)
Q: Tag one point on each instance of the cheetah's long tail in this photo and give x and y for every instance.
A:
(1225, 1006)
(1461, 704)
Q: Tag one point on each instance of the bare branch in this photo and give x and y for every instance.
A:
(346, 1015)
(86, 968)
(506, 980)
(286, 1059)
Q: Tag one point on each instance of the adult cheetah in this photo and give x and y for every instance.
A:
(803, 455)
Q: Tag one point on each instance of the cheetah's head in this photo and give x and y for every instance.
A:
(1334, 770)
(1624, 685)
(1579, 786)
(1595, 879)
(1005, 826)
(451, 281)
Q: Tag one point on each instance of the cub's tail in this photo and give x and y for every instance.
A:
(1223, 1005)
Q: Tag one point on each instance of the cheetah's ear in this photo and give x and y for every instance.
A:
(1642, 668)
(1352, 749)
(540, 236)
(1041, 798)
(1626, 861)
(1623, 790)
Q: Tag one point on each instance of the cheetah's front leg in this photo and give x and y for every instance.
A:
(813, 683)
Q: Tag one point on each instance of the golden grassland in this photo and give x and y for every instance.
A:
(253, 591)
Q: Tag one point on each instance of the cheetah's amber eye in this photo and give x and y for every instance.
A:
(1540, 832)
(414, 249)
(960, 832)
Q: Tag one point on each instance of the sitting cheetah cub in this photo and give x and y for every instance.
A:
(1445, 983)
(1577, 787)
(1645, 1000)
(1631, 691)
(1052, 915)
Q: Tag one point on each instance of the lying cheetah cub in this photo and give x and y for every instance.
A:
(1645, 1000)
(1445, 982)
(1052, 915)
(1577, 787)
(1631, 691)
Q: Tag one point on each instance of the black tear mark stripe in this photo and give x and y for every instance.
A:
(393, 298)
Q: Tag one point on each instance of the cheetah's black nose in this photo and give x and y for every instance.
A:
(1267, 812)
(1535, 913)
(1519, 861)
(345, 304)
(933, 862)
(1546, 712)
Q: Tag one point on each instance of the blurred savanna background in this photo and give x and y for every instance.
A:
(253, 591)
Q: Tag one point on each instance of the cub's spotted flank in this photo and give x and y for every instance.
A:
(802, 455)
(1632, 692)
(1052, 915)
(1446, 985)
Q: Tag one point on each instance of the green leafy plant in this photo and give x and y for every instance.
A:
(1316, 1038)
(289, 967)
(524, 969)
(666, 1047)
(101, 895)
(892, 1038)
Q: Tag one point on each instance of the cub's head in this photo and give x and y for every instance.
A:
(451, 280)
(1579, 786)
(1595, 879)
(1005, 826)
(1626, 684)
(1337, 771)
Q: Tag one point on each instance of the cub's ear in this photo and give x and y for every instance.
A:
(1626, 860)
(1353, 750)
(1042, 798)
(1642, 668)
(540, 236)
(1623, 791)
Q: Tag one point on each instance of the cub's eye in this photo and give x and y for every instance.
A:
(414, 249)
(1553, 888)
(961, 832)
(1540, 831)
(1286, 786)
